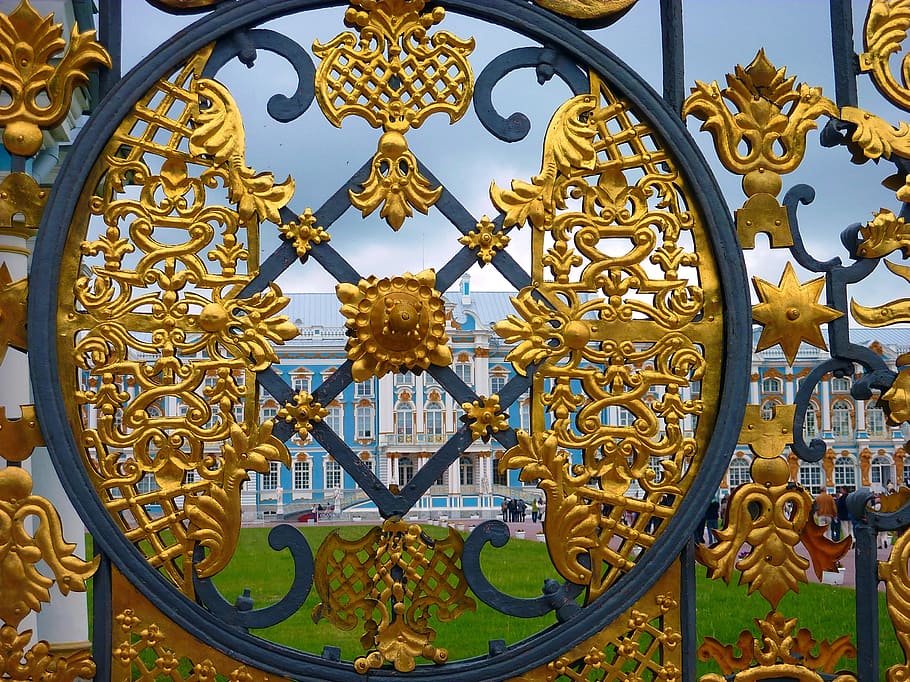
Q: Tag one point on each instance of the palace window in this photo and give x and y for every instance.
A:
(464, 372)
(363, 422)
(363, 389)
(738, 473)
(434, 419)
(300, 382)
(269, 480)
(840, 384)
(882, 471)
(335, 419)
(404, 420)
(524, 414)
(772, 385)
(841, 420)
(406, 379)
(767, 409)
(332, 474)
(466, 470)
(810, 476)
(497, 381)
(302, 478)
(269, 411)
(810, 426)
(405, 470)
(875, 422)
(845, 472)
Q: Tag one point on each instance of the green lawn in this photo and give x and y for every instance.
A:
(519, 569)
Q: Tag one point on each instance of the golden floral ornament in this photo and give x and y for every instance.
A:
(587, 9)
(790, 313)
(486, 240)
(31, 70)
(247, 328)
(883, 34)
(892, 312)
(394, 323)
(392, 579)
(303, 412)
(780, 652)
(13, 298)
(485, 417)
(21, 660)
(761, 138)
(22, 587)
(894, 572)
(884, 234)
(304, 233)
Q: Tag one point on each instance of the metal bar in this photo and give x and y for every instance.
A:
(102, 632)
(866, 601)
(110, 26)
(671, 34)
(845, 63)
(687, 610)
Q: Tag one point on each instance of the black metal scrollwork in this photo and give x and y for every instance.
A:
(556, 597)
(242, 615)
(546, 61)
(244, 44)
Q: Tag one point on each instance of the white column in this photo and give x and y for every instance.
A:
(754, 396)
(826, 406)
(789, 388)
(860, 415)
(385, 403)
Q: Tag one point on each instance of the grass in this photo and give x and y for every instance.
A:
(519, 569)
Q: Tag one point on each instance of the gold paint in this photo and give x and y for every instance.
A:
(781, 652)
(303, 412)
(394, 322)
(586, 9)
(304, 233)
(394, 74)
(884, 32)
(883, 234)
(895, 575)
(218, 135)
(159, 346)
(790, 313)
(40, 85)
(13, 304)
(767, 437)
(19, 437)
(22, 587)
(356, 580)
(146, 645)
(766, 520)
(486, 240)
(21, 205)
(642, 643)
(769, 112)
(21, 660)
(619, 309)
(485, 417)
(893, 312)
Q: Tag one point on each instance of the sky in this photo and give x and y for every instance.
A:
(718, 34)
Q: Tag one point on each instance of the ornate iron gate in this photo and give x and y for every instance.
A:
(158, 316)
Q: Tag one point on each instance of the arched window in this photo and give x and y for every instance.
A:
(434, 420)
(497, 381)
(845, 472)
(875, 422)
(300, 382)
(406, 379)
(810, 426)
(335, 419)
(466, 470)
(405, 470)
(772, 385)
(767, 409)
(842, 420)
(269, 410)
(810, 476)
(738, 473)
(363, 389)
(404, 420)
(881, 472)
(840, 384)
(464, 371)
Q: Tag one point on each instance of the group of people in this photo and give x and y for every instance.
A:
(716, 510)
(833, 512)
(515, 509)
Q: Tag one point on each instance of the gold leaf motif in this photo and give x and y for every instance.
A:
(30, 71)
(884, 32)
(780, 652)
(485, 417)
(883, 234)
(20, 660)
(897, 596)
(22, 587)
(770, 113)
(13, 301)
(219, 135)
(21, 196)
(893, 312)
(396, 322)
(19, 437)
(790, 313)
(395, 183)
(304, 233)
(392, 579)
(586, 9)
(767, 437)
(486, 240)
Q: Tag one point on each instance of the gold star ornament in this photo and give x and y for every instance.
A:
(790, 313)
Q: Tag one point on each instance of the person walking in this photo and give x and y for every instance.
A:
(843, 515)
(826, 513)
(534, 510)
